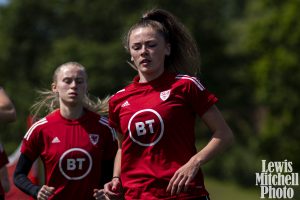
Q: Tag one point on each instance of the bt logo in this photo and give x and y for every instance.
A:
(75, 164)
(140, 127)
(146, 132)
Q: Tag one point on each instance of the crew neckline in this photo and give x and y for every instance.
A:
(153, 83)
(73, 121)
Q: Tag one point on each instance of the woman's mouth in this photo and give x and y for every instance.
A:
(73, 94)
(145, 62)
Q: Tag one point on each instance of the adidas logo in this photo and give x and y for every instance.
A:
(126, 103)
(55, 140)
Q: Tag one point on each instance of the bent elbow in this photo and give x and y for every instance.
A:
(17, 176)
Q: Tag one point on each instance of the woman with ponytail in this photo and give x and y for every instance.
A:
(75, 143)
(155, 115)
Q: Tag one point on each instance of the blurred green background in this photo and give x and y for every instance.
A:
(250, 55)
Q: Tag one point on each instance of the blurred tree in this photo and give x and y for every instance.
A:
(268, 37)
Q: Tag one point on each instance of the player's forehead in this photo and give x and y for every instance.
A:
(71, 71)
(142, 34)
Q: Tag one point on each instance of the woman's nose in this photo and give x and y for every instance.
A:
(144, 49)
(73, 84)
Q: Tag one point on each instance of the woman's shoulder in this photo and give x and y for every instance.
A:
(96, 117)
(184, 79)
(36, 127)
(121, 93)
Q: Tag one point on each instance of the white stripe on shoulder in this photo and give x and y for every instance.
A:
(121, 91)
(36, 124)
(104, 121)
(193, 79)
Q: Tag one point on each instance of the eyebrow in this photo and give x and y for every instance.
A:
(148, 41)
(76, 78)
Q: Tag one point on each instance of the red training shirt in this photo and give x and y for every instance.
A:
(71, 151)
(157, 120)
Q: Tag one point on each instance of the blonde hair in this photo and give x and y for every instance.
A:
(184, 56)
(48, 101)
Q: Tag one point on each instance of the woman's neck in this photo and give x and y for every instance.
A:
(71, 112)
(144, 77)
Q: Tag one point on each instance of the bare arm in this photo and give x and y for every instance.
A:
(7, 109)
(222, 137)
(117, 165)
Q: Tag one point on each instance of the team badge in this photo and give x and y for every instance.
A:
(165, 95)
(94, 138)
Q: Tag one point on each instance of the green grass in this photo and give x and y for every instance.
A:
(220, 190)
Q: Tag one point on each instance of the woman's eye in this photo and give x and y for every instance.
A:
(68, 81)
(152, 45)
(136, 47)
(79, 81)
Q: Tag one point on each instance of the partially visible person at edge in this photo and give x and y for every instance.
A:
(75, 144)
(7, 109)
(155, 116)
(7, 114)
(4, 184)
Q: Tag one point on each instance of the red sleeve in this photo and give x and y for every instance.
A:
(114, 115)
(31, 143)
(198, 96)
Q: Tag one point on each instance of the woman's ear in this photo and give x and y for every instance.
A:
(53, 87)
(131, 58)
